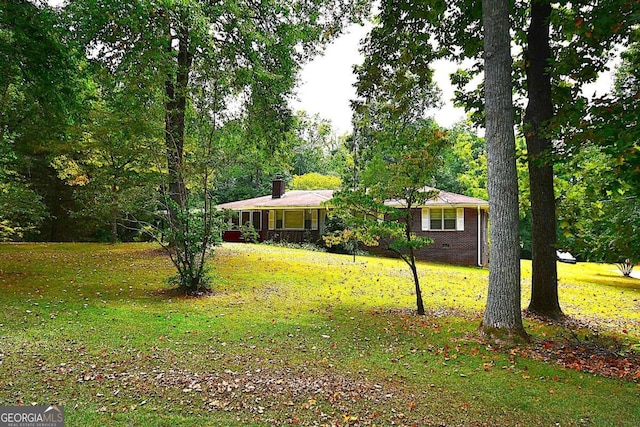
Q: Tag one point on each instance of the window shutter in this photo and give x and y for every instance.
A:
(460, 219)
(314, 219)
(425, 219)
(272, 220)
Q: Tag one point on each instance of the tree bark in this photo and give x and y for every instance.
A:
(411, 260)
(176, 91)
(416, 282)
(544, 285)
(503, 313)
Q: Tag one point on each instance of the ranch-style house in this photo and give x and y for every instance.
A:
(457, 224)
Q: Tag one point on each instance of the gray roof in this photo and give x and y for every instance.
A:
(290, 199)
(317, 198)
(445, 198)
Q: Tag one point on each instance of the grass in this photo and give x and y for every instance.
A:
(292, 337)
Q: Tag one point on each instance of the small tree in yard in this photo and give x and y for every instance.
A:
(196, 226)
(189, 242)
(396, 149)
(380, 209)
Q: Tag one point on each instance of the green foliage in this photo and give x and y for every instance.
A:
(599, 184)
(219, 75)
(396, 69)
(316, 147)
(598, 212)
(37, 73)
(613, 122)
(380, 208)
(112, 167)
(382, 212)
(315, 181)
(21, 211)
(339, 238)
(39, 97)
(289, 245)
(524, 199)
(248, 233)
(610, 230)
(464, 168)
(242, 171)
(396, 150)
(189, 236)
(583, 38)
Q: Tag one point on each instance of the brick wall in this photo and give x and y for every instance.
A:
(452, 247)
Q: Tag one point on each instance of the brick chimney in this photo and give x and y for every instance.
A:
(277, 188)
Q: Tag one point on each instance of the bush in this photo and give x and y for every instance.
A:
(249, 234)
(334, 232)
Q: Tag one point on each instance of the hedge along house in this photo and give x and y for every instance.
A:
(457, 224)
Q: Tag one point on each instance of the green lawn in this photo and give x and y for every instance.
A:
(292, 337)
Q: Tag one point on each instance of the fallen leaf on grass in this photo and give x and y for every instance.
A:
(589, 356)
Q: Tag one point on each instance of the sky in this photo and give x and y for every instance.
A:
(326, 83)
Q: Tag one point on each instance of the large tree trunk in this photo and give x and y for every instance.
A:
(176, 91)
(503, 313)
(544, 286)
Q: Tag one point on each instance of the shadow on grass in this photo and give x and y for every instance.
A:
(615, 281)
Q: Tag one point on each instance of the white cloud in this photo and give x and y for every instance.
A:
(326, 83)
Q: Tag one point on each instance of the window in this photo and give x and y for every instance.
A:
(311, 219)
(449, 219)
(293, 219)
(253, 218)
(256, 220)
(443, 219)
(272, 220)
(435, 219)
(246, 217)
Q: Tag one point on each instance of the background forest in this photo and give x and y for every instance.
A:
(109, 115)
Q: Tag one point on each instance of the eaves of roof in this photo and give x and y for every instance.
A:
(291, 199)
(445, 198)
(317, 198)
